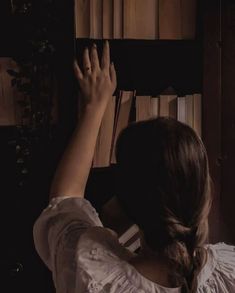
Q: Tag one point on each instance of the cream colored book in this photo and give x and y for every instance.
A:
(82, 18)
(188, 18)
(107, 19)
(133, 247)
(104, 139)
(168, 106)
(122, 119)
(140, 19)
(181, 109)
(96, 15)
(170, 27)
(113, 217)
(189, 110)
(155, 107)
(143, 108)
(10, 111)
(117, 19)
(197, 113)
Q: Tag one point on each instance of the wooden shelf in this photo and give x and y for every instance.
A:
(151, 66)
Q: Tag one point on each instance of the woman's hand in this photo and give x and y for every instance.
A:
(98, 79)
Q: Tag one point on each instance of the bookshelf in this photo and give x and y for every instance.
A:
(211, 55)
(159, 64)
(149, 67)
(200, 65)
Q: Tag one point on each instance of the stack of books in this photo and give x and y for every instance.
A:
(135, 19)
(186, 109)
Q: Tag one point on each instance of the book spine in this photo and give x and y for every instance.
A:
(107, 19)
(189, 110)
(155, 107)
(117, 19)
(96, 19)
(181, 109)
(197, 108)
(143, 108)
(168, 106)
(139, 20)
(82, 18)
(123, 239)
(170, 19)
(122, 118)
(189, 11)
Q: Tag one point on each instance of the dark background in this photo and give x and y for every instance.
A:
(205, 65)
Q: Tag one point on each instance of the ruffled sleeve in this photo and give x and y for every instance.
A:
(63, 217)
(82, 255)
(219, 274)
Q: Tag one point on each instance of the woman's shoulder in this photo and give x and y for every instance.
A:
(103, 243)
(100, 260)
(219, 271)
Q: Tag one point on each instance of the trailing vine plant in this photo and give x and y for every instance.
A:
(34, 77)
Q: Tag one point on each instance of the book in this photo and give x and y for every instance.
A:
(168, 105)
(170, 27)
(107, 19)
(82, 18)
(104, 139)
(134, 243)
(197, 113)
(10, 113)
(140, 20)
(114, 218)
(188, 18)
(181, 109)
(121, 119)
(143, 108)
(96, 26)
(155, 106)
(189, 110)
(117, 19)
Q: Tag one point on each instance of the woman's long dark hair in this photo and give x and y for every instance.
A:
(163, 184)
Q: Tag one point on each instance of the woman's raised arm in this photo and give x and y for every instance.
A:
(97, 82)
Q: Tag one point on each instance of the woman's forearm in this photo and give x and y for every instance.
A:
(72, 173)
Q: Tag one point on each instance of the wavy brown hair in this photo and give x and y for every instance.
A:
(163, 184)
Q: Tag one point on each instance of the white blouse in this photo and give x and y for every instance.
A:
(86, 257)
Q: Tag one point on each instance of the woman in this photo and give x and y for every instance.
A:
(163, 185)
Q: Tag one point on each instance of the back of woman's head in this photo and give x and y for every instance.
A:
(163, 185)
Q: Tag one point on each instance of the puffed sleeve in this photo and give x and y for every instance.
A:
(64, 216)
(222, 270)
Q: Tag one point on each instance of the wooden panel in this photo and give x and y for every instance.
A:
(228, 117)
(211, 132)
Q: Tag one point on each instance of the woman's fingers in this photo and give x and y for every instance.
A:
(95, 64)
(105, 61)
(77, 70)
(86, 62)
